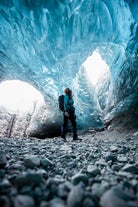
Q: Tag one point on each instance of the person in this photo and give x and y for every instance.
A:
(69, 115)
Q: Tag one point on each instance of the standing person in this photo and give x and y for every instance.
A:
(69, 114)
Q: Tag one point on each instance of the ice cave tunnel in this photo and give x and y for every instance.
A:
(88, 45)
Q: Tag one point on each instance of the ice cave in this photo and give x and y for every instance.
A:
(91, 47)
(88, 45)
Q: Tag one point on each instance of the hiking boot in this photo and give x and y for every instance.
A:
(77, 139)
(63, 133)
(63, 138)
(75, 135)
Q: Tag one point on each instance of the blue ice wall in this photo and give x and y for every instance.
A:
(45, 43)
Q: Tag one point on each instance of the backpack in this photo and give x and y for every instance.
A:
(61, 102)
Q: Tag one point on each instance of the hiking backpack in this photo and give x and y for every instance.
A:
(61, 102)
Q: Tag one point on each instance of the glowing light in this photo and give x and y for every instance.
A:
(19, 96)
(95, 67)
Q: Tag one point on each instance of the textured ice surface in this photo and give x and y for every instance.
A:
(45, 43)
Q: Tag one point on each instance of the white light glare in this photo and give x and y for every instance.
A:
(18, 96)
(95, 67)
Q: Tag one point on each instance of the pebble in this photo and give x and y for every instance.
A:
(99, 189)
(135, 134)
(2, 173)
(113, 148)
(56, 202)
(110, 157)
(122, 159)
(30, 178)
(131, 168)
(101, 162)
(116, 167)
(125, 174)
(5, 187)
(46, 162)
(116, 197)
(31, 161)
(75, 196)
(93, 170)
(3, 159)
(23, 201)
(76, 179)
(64, 189)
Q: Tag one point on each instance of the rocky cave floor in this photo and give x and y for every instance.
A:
(99, 171)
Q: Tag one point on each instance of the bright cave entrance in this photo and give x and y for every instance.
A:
(96, 68)
(19, 97)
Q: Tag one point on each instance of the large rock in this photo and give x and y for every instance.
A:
(3, 159)
(115, 197)
(93, 170)
(31, 161)
(23, 201)
(27, 179)
(75, 196)
(76, 179)
(131, 168)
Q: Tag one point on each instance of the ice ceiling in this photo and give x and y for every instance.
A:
(46, 43)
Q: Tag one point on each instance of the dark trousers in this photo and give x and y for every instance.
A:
(72, 119)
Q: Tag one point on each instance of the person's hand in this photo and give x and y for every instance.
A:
(66, 114)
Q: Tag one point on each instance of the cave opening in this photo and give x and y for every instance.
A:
(19, 101)
(95, 68)
(19, 96)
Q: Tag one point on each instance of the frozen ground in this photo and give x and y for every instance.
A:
(99, 171)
